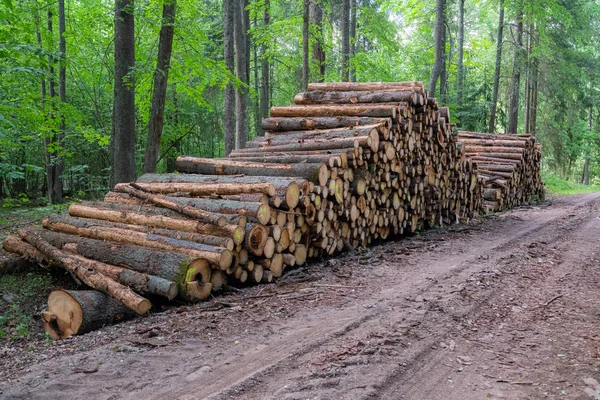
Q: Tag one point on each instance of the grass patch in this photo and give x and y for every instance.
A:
(555, 185)
(11, 219)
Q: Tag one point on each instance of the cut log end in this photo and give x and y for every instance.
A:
(198, 284)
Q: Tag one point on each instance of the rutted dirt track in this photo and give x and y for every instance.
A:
(508, 307)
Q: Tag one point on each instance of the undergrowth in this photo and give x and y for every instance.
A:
(556, 185)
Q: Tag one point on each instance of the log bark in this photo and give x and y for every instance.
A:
(278, 126)
(75, 312)
(117, 208)
(163, 201)
(307, 136)
(370, 141)
(232, 167)
(356, 110)
(220, 257)
(88, 276)
(204, 189)
(322, 97)
(365, 86)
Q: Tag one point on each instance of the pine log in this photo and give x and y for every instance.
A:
(279, 126)
(354, 97)
(495, 136)
(204, 189)
(158, 218)
(170, 265)
(356, 110)
(334, 133)
(87, 275)
(166, 226)
(493, 149)
(75, 312)
(93, 229)
(364, 86)
(233, 167)
(497, 143)
(370, 141)
(512, 156)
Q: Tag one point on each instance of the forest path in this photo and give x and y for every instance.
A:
(504, 308)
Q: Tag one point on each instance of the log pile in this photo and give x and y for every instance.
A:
(508, 166)
(348, 164)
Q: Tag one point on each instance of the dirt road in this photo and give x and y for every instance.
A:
(507, 307)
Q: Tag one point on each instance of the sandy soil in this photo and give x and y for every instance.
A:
(503, 308)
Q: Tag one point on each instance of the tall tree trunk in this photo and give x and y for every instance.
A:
(229, 114)
(439, 45)
(124, 136)
(176, 143)
(62, 95)
(318, 52)
(352, 72)
(492, 127)
(265, 104)
(461, 46)
(51, 139)
(586, 165)
(446, 62)
(159, 95)
(345, 22)
(241, 98)
(515, 85)
(256, 100)
(305, 41)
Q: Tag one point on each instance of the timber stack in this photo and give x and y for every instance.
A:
(348, 164)
(508, 166)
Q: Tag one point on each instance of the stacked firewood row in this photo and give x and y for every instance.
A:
(508, 166)
(348, 164)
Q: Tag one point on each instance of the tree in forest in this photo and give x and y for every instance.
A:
(305, 40)
(440, 45)
(515, 85)
(229, 114)
(492, 125)
(316, 18)
(461, 48)
(241, 69)
(159, 94)
(265, 69)
(352, 34)
(123, 135)
(345, 23)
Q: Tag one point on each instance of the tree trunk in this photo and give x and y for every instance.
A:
(159, 94)
(283, 125)
(57, 189)
(305, 41)
(319, 97)
(439, 45)
(124, 135)
(345, 27)
(357, 110)
(515, 85)
(265, 103)
(461, 46)
(586, 165)
(318, 52)
(352, 69)
(229, 115)
(241, 96)
(492, 126)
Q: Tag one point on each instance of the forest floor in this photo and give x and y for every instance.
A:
(506, 307)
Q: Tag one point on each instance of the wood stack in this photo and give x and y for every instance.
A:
(349, 164)
(509, 167)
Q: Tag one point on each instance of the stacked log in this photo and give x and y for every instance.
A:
(509, 167)
(349, 164)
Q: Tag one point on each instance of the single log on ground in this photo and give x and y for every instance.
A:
(354, 97)
(88, 276)
(93, 229)
(355, 110)
(279, 126)
(203, 189)
(75, 312)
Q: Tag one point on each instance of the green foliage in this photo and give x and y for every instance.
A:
(558, 186)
